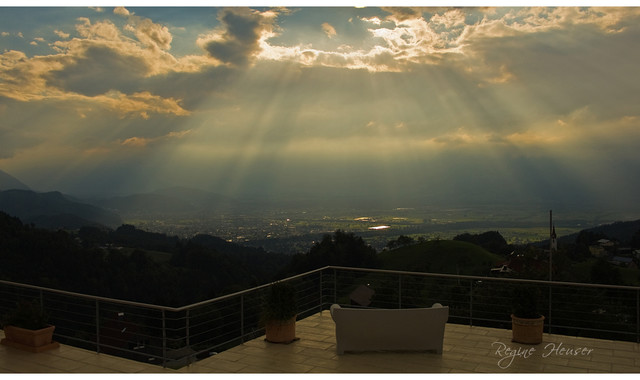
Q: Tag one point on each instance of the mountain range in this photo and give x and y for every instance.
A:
(9, 182)
(54, 210)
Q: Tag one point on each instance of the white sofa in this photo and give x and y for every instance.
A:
(419, 329)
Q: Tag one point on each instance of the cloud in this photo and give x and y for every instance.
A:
(400, 14)
(407, 38)
(136, 142)
(101, 67)
(61, 34)
(154, 35)
(239, 38)
(146, 31)
(329, 30)
(121, 11)
(142, 142)
(140, 103)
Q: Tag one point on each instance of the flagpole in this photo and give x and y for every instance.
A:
(550, 244)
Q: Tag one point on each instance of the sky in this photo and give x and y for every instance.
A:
(463, 104)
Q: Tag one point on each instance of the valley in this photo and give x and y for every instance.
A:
(290, 230)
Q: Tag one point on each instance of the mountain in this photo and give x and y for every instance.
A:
(54, 210)
(170, 201)
(8, 182)
(619, 231)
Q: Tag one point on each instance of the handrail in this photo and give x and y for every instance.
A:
(88, 296)
(250, 290)
(480, 278)
(153, 306)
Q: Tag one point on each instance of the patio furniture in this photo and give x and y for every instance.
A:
(418, 329)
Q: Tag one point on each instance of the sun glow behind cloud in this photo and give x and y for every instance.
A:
(323, 101)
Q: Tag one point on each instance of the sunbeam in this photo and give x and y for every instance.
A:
(395, 104)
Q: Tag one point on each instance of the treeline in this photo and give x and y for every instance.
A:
(339, 249)
(131, 264)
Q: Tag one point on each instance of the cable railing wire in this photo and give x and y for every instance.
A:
(177, 336)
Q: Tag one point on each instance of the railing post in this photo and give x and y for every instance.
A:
(399, 291)
(164, 340)
(242, 318)
(335, 286)
(549, 312)
(470, 302)
(187, 328)
(321, 279)
(97, 326)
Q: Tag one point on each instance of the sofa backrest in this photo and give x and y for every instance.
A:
(436, 314)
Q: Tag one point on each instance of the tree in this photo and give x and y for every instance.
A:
(635, 240)
(401, 241)
(341, 249)
(603, 272)
(492, 241)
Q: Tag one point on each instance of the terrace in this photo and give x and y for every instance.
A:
(223, 335)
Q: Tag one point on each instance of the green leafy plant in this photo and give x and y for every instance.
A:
(280, 302)
(27, 315)
(525, 302)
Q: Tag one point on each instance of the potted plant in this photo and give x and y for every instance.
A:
(26, 328)
(527, 323)
(279, 313)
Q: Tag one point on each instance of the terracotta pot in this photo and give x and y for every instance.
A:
(281, 331)
(527, 330)
(30, 340)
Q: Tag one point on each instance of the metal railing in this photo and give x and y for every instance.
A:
(176, 336)
(577, 309)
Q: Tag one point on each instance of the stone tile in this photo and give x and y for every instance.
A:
(319, 352)
(472, 350)
(619, 368)
(88, 368)
(596, 358)
(315, 344)
(553, 368)
(221, 365)
(62, 364)
(328, 364)
(466, 350)
(591, 365)
(625, 354)
(231, 356)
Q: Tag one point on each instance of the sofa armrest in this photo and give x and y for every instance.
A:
(335, 306)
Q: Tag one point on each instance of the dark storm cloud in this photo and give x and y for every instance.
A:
(239, 40)
(101, 69)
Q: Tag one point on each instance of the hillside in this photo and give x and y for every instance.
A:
(54, 210)
(130, 264)
(620, 231)
(8, 182)
(440, 256)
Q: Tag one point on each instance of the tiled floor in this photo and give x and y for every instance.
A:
(466, 350)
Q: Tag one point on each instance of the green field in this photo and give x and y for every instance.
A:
(441, 256)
